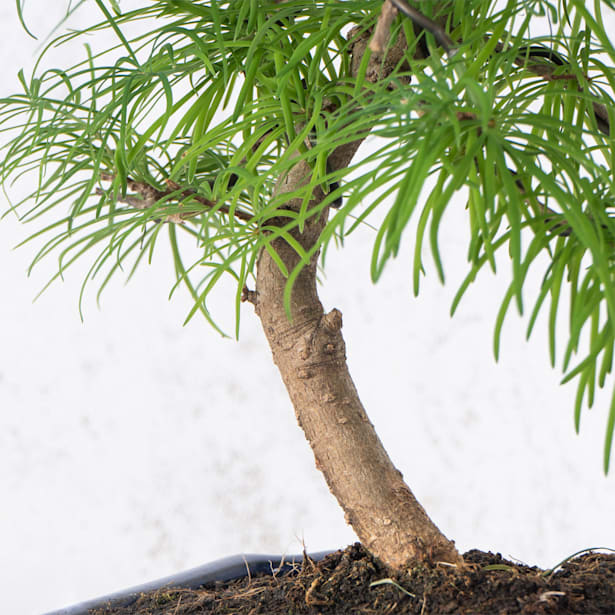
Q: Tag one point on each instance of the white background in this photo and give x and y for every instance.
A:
(132, 447)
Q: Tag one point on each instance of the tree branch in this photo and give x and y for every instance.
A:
(151, 195)
(546, 71)
(434, 28)
(383, 27)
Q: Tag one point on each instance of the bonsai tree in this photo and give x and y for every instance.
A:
(237, 127)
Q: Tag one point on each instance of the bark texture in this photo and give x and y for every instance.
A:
(310, 353)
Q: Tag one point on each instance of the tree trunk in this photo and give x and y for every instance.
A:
(310, 353)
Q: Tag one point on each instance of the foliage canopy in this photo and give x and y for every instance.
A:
(185, 128)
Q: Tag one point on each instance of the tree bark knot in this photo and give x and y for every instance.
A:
(297, 334)
(332, 322)
(321, 348)
(249, 295)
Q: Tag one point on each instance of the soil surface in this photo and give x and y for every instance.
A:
(351, 582)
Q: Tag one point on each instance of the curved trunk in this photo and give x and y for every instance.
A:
(310, 353)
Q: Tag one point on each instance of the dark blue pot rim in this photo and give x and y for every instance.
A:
(225, 569)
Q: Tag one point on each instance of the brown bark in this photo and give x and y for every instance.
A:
(310, 353)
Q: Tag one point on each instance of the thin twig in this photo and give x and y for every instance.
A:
(546, 71)
(151, 195)
(438, 32)
(382, 32)
(177, 607)
(560, 228)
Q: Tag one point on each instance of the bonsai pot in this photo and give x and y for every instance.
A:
(225, 569)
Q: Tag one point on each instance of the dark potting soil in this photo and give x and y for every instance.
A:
(350, 582)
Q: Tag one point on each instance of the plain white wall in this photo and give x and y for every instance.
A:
(132, 447)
